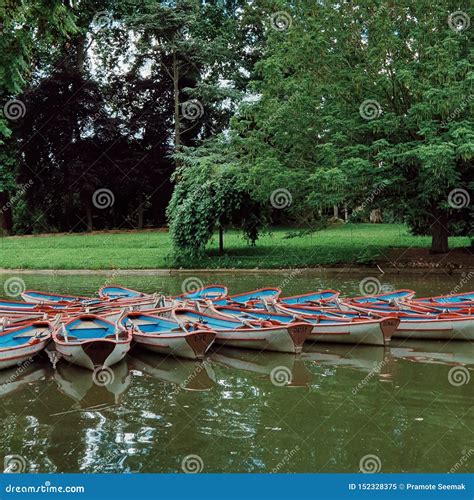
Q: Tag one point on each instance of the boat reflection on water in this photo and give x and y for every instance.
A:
(93, 389)
(187, 374)
(27, 372)
(290, 368)
(365, 358)
(437, 352)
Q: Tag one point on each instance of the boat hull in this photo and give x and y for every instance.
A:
(93, 353)
(357, 332)
(15, 356)
(279, 338)
(190, 345)
(437, 329)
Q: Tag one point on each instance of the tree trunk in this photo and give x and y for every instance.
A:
(177, 118)
(141, 210)
(439, 236)
(90, 226)
(6, 221)
(336, 212)
(375, 216)
(221, 240)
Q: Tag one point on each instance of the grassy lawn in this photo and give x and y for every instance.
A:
(344, 244)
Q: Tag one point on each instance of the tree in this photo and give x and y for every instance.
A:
(26, 31)
(210, 194)
(357, 99)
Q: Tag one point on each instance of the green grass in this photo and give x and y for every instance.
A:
(344, 244)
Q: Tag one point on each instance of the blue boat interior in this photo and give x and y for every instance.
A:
(117, 292)
(151, 324)
(18, 337)
(17, 305)
(267, 293)
(313, 297)
(212, 322)
(384, 297)
(208, 292)
(88, 329)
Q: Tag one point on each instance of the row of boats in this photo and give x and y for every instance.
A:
(98, 331)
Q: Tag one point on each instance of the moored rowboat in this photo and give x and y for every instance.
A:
(328, 328)
(91, 341)
(261, 335)
(166, 336)
(22, 343)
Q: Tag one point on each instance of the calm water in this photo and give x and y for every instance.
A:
(340, 403)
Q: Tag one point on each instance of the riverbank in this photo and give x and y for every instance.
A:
(349, 247)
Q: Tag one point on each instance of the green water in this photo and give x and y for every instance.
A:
(339, 403)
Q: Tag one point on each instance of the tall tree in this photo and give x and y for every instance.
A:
(363, 102)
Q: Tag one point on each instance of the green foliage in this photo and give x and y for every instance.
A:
(355, 96)
(210, 194)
